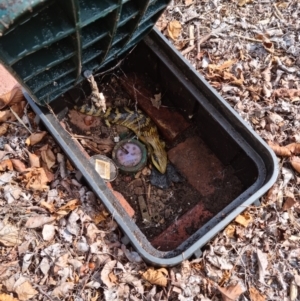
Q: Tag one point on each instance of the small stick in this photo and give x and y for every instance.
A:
(192, 35)
(278, 13)
(248, 38)
(198, 38)
(149, 192)
(25, 112)
(20, 120)
(187, 50)
(42, 291)
(14, 123)
(147, 200)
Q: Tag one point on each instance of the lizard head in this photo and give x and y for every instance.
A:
(158, 154)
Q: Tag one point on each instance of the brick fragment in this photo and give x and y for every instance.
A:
(197, 163)
(122, 200)
(170, 124)
(182, 228)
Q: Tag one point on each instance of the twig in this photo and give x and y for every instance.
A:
(147, 200)
(115, 66)
(278, 13)
(187, 50)
(192, 35)
(25, 112)
(14, 123)
(42, 291)
(20, 120)
(207, 36)
(248, 38)
(198, 38)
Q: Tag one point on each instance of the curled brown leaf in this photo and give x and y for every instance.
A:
(12, 97)
(282, 151)
(174, 29)
(157, 277)
(295, 162)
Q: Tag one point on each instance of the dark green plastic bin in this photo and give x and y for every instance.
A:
(47, 44)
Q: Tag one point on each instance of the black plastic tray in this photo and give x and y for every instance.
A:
(229, 137)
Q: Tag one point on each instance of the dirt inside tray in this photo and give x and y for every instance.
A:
(157, 209)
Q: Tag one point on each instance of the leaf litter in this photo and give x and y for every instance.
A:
(51, 247)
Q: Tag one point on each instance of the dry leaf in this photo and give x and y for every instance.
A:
(244, 2)
(12, 97)
(49, 206)
(91, 233)
(174, 29)
(280, 150)
(10, 235)
(107, 269)
(61, 262)
(188, 2)
(255, 295)
(289, 203)
(48, 157)
(45, 265)
(25, 291)
(294, 148)
(262, 265)
(6, 165)
(27, 259)
(244, 219)
(157, 277)
(36, 179)
(100, 216)
(230, 231)
(3, 129)
(6, 297)
(35, 138)
(268, 45)
(156, 101)
(297, 279)
(70, 206)
(295, 162)
(38, 221)
(48, 232)
(18, 165)
(62, 290)
(282, 4)
(293, 291)
(7, 115)
(220, 262)
(290, 94)
(217, 68)
(113, 278)
(231, 293)
(34, 160)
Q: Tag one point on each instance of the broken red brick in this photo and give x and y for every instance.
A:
(170, 124)
(122, 200)
(182, 228)
(197, 163)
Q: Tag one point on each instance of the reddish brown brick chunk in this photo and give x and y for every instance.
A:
(197, 163)
(182, 229)
(119, 196)
(170, 124)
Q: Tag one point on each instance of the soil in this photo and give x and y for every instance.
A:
(155, 208)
